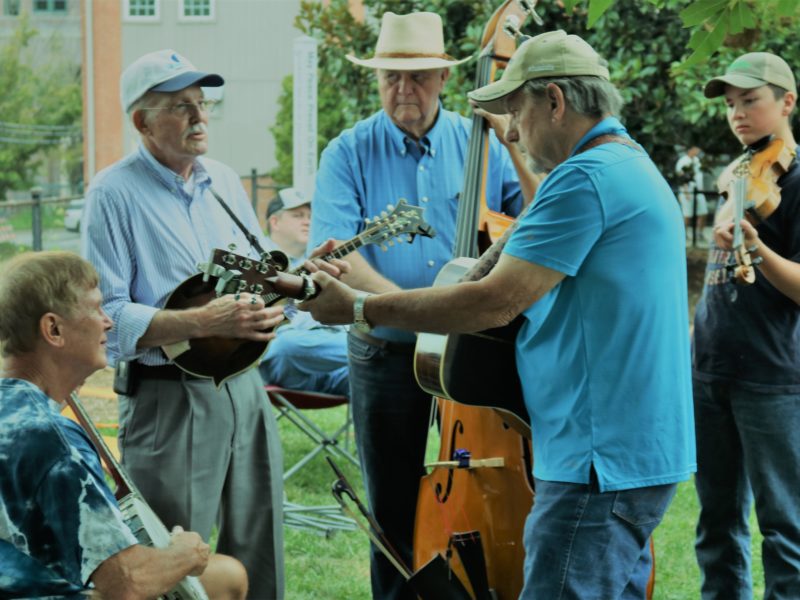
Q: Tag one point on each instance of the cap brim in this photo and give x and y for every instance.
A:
(716, 87)
(406, 64)
(491, 98)
(184, 80)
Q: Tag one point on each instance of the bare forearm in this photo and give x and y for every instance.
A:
(241, 316)
(171, 326)
(142, 572)
(363, 277)
(464, 308)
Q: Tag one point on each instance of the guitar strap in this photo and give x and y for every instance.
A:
(250, 237)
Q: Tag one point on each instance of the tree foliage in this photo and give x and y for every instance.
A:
(651, 45)
(714, 23)
(40, 108)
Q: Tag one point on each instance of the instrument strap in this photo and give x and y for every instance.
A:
(250, 237)
(608, 138)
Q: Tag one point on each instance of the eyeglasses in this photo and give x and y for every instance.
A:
(184, 109)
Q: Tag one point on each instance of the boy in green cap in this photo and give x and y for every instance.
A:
(746, 360)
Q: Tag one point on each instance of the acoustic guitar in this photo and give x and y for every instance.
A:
(455, 366)
(221, 358)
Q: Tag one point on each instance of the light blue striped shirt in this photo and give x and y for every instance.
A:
(145, 234)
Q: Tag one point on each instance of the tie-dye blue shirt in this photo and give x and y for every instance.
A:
(58, 519)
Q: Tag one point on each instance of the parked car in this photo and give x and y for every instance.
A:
(73, 214)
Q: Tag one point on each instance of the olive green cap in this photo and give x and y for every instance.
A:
(551, 54)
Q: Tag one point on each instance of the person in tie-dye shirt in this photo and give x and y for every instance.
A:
(61, 530)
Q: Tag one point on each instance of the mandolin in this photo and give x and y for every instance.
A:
(221, 358)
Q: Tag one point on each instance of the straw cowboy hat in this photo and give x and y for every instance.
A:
(412, 42)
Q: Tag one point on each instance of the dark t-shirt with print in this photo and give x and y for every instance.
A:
(750, 334)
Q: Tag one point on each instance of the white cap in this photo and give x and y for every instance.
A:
(287, 199)
(162, 71)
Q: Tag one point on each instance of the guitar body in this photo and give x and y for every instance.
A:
(456, 366)
(217, 357)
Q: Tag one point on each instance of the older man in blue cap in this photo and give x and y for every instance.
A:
(201, 455)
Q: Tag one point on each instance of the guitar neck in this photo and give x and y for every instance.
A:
(124, 483)
(338, 252)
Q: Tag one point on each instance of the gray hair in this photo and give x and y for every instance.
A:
(149, 99)
(587, 95)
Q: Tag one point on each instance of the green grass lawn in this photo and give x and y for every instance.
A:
(337, 567)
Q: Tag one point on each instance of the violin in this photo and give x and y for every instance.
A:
(750, 188)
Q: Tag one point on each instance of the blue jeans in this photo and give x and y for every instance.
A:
(747, 440)
(390, 416)
(581, 544)
(313, 360)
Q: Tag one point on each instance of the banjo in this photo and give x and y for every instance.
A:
(141, 519)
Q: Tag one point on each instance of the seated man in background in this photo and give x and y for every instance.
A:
(305, 354)
(61, 530)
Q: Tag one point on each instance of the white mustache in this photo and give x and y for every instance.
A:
(196, 128)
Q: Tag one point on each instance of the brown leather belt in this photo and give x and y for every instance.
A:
(395, 347)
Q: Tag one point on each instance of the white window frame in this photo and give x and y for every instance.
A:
(127, 17)
(212, 16)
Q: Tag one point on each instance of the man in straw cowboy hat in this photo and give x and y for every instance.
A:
(597, 269)
(414, 149)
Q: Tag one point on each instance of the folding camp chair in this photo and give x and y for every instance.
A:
(292, 405)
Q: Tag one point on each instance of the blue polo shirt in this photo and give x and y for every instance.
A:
(375, 163)
(604, 356)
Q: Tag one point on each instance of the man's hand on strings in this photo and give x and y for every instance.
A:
(335, 267)
(497, 122)
(241, 315)
(333, 305)
(723, 235)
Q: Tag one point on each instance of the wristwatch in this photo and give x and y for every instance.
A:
(359, 320)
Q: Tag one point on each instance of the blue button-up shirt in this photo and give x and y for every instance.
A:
(604, 356)
(375, 164)
(58, 519)
(146, 231)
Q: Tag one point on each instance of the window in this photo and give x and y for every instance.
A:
(11, 8)
(196, 10)
(50, 6)
(142, 10)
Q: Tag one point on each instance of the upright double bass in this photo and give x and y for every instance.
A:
(472, 505)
